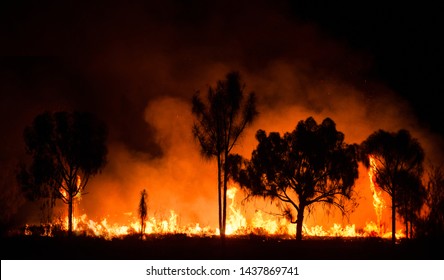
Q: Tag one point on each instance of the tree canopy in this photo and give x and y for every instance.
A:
(67, 148)
(309, 165)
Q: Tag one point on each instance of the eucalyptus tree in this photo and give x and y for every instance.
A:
(410, 199)
(219, 123)
(432, 224)
(66, 149)
(396, 156)
(308, 166)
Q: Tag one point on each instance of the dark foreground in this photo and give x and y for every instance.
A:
(180, 247)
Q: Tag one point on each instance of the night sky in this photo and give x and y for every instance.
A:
(136, 65)
(403, 41)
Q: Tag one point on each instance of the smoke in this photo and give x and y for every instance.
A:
(137, 65)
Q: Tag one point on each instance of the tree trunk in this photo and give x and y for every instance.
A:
(393, 218)
(299, 222)
(219, 190)
(224, 209)
(142, 227)
(406, 228)
(70, 213)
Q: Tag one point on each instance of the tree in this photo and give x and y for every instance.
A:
(11, 198)
(218, 126)
(397, 156)
(432, 225)
(307, 166)
(143, 211)
(410, 200)
(37, 182)
(67, 148)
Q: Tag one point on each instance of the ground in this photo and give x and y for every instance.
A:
(181, 247)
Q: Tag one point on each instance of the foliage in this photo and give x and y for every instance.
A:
(218, 125)
(309, 165)
(397, 156)
(432, 225)
(11, 198)
(410, 199)
(67, 148)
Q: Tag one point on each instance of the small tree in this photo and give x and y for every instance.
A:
(143, 212)
(67, 148)
(310, 165)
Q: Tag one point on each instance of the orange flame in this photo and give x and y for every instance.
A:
(378, 201)
(236, 221)
(237, 224)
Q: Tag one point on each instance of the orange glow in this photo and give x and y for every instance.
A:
(378, 201)
(78, 181)
(237, 224)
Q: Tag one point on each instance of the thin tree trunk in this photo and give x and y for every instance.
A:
(224, 209)
(70, 212)
(393, 218)
(299, 222)
(141, 227)
(219, 189)
(406, 228)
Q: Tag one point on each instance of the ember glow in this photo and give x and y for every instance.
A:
(261, 223)
(378, 200)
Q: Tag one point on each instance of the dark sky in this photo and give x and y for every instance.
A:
(404, 40)
(136, 64)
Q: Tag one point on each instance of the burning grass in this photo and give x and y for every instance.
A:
(237, 225)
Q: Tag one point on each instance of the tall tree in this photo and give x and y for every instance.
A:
(67, 148)
(143, 211)
(396, 155)
(218, 125)
(307, 166)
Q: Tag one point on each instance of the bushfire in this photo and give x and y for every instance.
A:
(237, 224)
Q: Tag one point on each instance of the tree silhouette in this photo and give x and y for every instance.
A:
(11, 197)
(433, 223)
(67, 148)
(143, 212)
(309, 165)
(219, 124)
(410, 200)
(397, 156)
